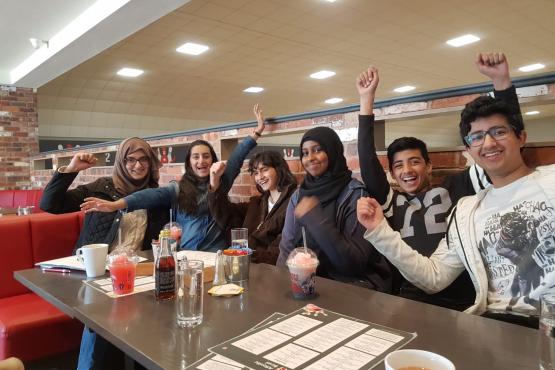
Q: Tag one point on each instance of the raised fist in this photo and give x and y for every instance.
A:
(80, 162)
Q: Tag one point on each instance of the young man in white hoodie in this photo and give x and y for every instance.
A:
(501, 236)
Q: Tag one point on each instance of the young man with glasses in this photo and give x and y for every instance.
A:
(418, 210)
(503, 236)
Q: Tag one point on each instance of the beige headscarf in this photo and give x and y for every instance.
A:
(123, 182)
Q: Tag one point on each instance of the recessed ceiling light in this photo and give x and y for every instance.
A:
(320, 75)
(532, 113)
(130, 72)
(254, 89)
(331, 1)
(463, 40)
(531, 67)
(403, 89)
(333, 101)
(192, 48)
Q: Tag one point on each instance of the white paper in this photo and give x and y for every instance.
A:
(342, 359)
(215, 365)
(70, 262)
(384, 335)
(261, 341)
(296, 325)
(226, 360)
(330, 334)
(208, 258)
(291, 356)
(369, 344)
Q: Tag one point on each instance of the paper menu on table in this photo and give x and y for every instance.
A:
(142, 284)
(70, 262)
(314, 339)
(208, 258)
(217, 362)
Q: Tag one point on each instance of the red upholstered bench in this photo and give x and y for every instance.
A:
(30, 327)
(21, 198)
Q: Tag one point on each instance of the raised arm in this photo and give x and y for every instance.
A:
(496, 67)
(371, 170)
(235, 161)
(56, 197)
(431, 274)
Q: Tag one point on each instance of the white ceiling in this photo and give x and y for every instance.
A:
(21, 20)
(70, 42)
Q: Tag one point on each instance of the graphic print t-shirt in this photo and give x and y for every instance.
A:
(515, 229)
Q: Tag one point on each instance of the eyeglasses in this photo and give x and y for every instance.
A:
(496, 132)
(144, 161)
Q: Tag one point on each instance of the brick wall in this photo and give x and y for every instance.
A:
(445, 162)
(18, 136)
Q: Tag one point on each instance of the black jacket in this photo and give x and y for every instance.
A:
(98, 227)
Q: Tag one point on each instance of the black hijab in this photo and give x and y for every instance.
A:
(328, 186)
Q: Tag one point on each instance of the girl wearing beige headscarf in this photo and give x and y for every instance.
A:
(136, 167)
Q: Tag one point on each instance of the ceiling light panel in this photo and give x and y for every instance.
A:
(403, 89)
(254, 89)
(463, 40)
(320, 75)
(333, 100)
(130, 72)
(532, 113)
(531, 67)
(192, 49)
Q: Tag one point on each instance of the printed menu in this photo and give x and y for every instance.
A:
(311, 338)
(216, 362)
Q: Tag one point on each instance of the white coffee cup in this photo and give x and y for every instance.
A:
(413, 357)
(93, 256)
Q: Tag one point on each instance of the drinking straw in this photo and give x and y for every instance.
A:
(304, 240)
(119, 238)
(171, 217)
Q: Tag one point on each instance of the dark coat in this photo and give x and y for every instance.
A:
(98, 227)
(264, 228)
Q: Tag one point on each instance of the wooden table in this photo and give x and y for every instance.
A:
(147, 331)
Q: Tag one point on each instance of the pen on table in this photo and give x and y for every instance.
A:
(53, 269)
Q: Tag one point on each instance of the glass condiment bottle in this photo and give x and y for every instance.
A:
(164, 274)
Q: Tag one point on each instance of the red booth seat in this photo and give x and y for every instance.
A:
(21, 198)
(30, 327)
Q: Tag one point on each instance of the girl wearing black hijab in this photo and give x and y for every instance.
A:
(325, 204)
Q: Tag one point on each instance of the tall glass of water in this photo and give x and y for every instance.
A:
(240, 238)
(190, 288)
(547, 332)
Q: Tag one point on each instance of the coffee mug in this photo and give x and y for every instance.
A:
(93, 256)
(416, 359)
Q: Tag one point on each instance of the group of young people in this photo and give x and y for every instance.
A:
(488, 254)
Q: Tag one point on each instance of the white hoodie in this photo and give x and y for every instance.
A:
(457, 251)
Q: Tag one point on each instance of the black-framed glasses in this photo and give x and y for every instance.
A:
(144, 161)
(496, 132)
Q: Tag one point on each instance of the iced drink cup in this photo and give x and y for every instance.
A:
(302, 268)
(122, 272)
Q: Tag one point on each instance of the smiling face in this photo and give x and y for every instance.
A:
(501, 157)
(266, 177)
(410, 170)
(201, 160)
(313, 158)
(137, 165)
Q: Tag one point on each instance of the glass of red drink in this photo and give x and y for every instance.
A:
(122, 271)
(175, 232)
